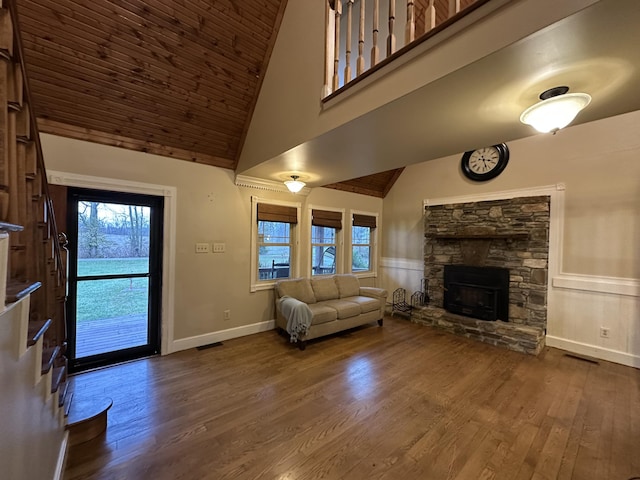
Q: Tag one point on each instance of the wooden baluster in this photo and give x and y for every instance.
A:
(4, 150)
(347, 67)
(328, 50)
(360, 62)
(454, 7)
(410, 27)
(391, 38)
(430, 16)
(375, 50)
(336, 46)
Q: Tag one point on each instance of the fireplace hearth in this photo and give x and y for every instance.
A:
(477, 292)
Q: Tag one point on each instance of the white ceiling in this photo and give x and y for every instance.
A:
(596, 50)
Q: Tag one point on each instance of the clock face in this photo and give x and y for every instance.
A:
(484, 160)
(485, 163)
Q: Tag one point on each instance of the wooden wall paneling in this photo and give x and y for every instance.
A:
(176, 70)
(136, 74)
(6, 31)
(80, 133)
(130, 121)
(152, 46)
(99, 81)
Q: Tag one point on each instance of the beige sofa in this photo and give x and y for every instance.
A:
(337, 303)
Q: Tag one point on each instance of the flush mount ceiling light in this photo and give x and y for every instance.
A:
(294, 185)
(556, 110)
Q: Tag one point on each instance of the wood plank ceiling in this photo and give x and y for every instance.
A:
(173, 77)
(178, 78)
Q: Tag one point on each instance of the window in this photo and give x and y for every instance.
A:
(274, 249)
(362, 243)
(273, 253)
(325, 226)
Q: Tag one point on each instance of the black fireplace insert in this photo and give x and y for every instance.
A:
(477, 292)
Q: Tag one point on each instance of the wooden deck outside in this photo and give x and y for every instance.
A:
(110, 334)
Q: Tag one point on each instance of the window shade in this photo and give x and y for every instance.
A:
(277, 213)
(325, 218)
(364, 221)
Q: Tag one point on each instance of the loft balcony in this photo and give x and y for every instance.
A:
(460, 86)
(363, 36)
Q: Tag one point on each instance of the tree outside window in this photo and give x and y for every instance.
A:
(274, 249)
(323, 250)
(361, 249)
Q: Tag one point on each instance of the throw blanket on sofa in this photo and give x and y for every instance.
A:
(298, 315)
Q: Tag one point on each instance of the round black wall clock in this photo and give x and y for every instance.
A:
(485, 163)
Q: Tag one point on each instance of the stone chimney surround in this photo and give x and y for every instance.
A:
(510, 233)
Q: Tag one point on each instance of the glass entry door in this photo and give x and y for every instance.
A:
(114, 277)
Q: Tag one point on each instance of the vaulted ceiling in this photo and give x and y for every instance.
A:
(178, 78)
(174, 77)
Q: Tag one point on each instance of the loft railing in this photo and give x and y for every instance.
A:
(361, 35)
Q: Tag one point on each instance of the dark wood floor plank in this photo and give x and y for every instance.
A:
(403, 401)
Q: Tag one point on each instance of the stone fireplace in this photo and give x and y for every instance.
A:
(507, 238)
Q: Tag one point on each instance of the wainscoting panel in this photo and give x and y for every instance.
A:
(579, 305)
(583, 305)
(401, 273)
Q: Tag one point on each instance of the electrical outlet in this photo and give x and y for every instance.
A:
(227, 315)
(219, 247)
(202, 248)
(604, 332)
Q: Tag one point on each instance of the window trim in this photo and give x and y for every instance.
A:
(257, 285)
(339, 240)
(373, 272)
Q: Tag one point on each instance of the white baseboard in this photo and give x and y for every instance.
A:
(614, 356)
(213, 337)
(62, 458)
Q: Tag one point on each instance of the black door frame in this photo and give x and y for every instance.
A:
(156, 203)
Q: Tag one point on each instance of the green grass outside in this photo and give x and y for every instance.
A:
(112, 266)
(98, 299)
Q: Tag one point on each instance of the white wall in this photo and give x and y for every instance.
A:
(598, 283)
(210, 208)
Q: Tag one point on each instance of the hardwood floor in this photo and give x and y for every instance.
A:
(399, 402)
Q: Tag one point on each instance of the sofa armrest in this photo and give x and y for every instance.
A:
(373, 292)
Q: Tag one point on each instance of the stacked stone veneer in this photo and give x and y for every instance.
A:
(490, 233)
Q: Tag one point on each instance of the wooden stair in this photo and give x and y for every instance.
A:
(32, 269)
(87, 418)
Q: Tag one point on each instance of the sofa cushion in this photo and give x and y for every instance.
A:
(348, 285)
(299, 288)
(324, 288)
(345, 309)
(367, 304)
(322, 313)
